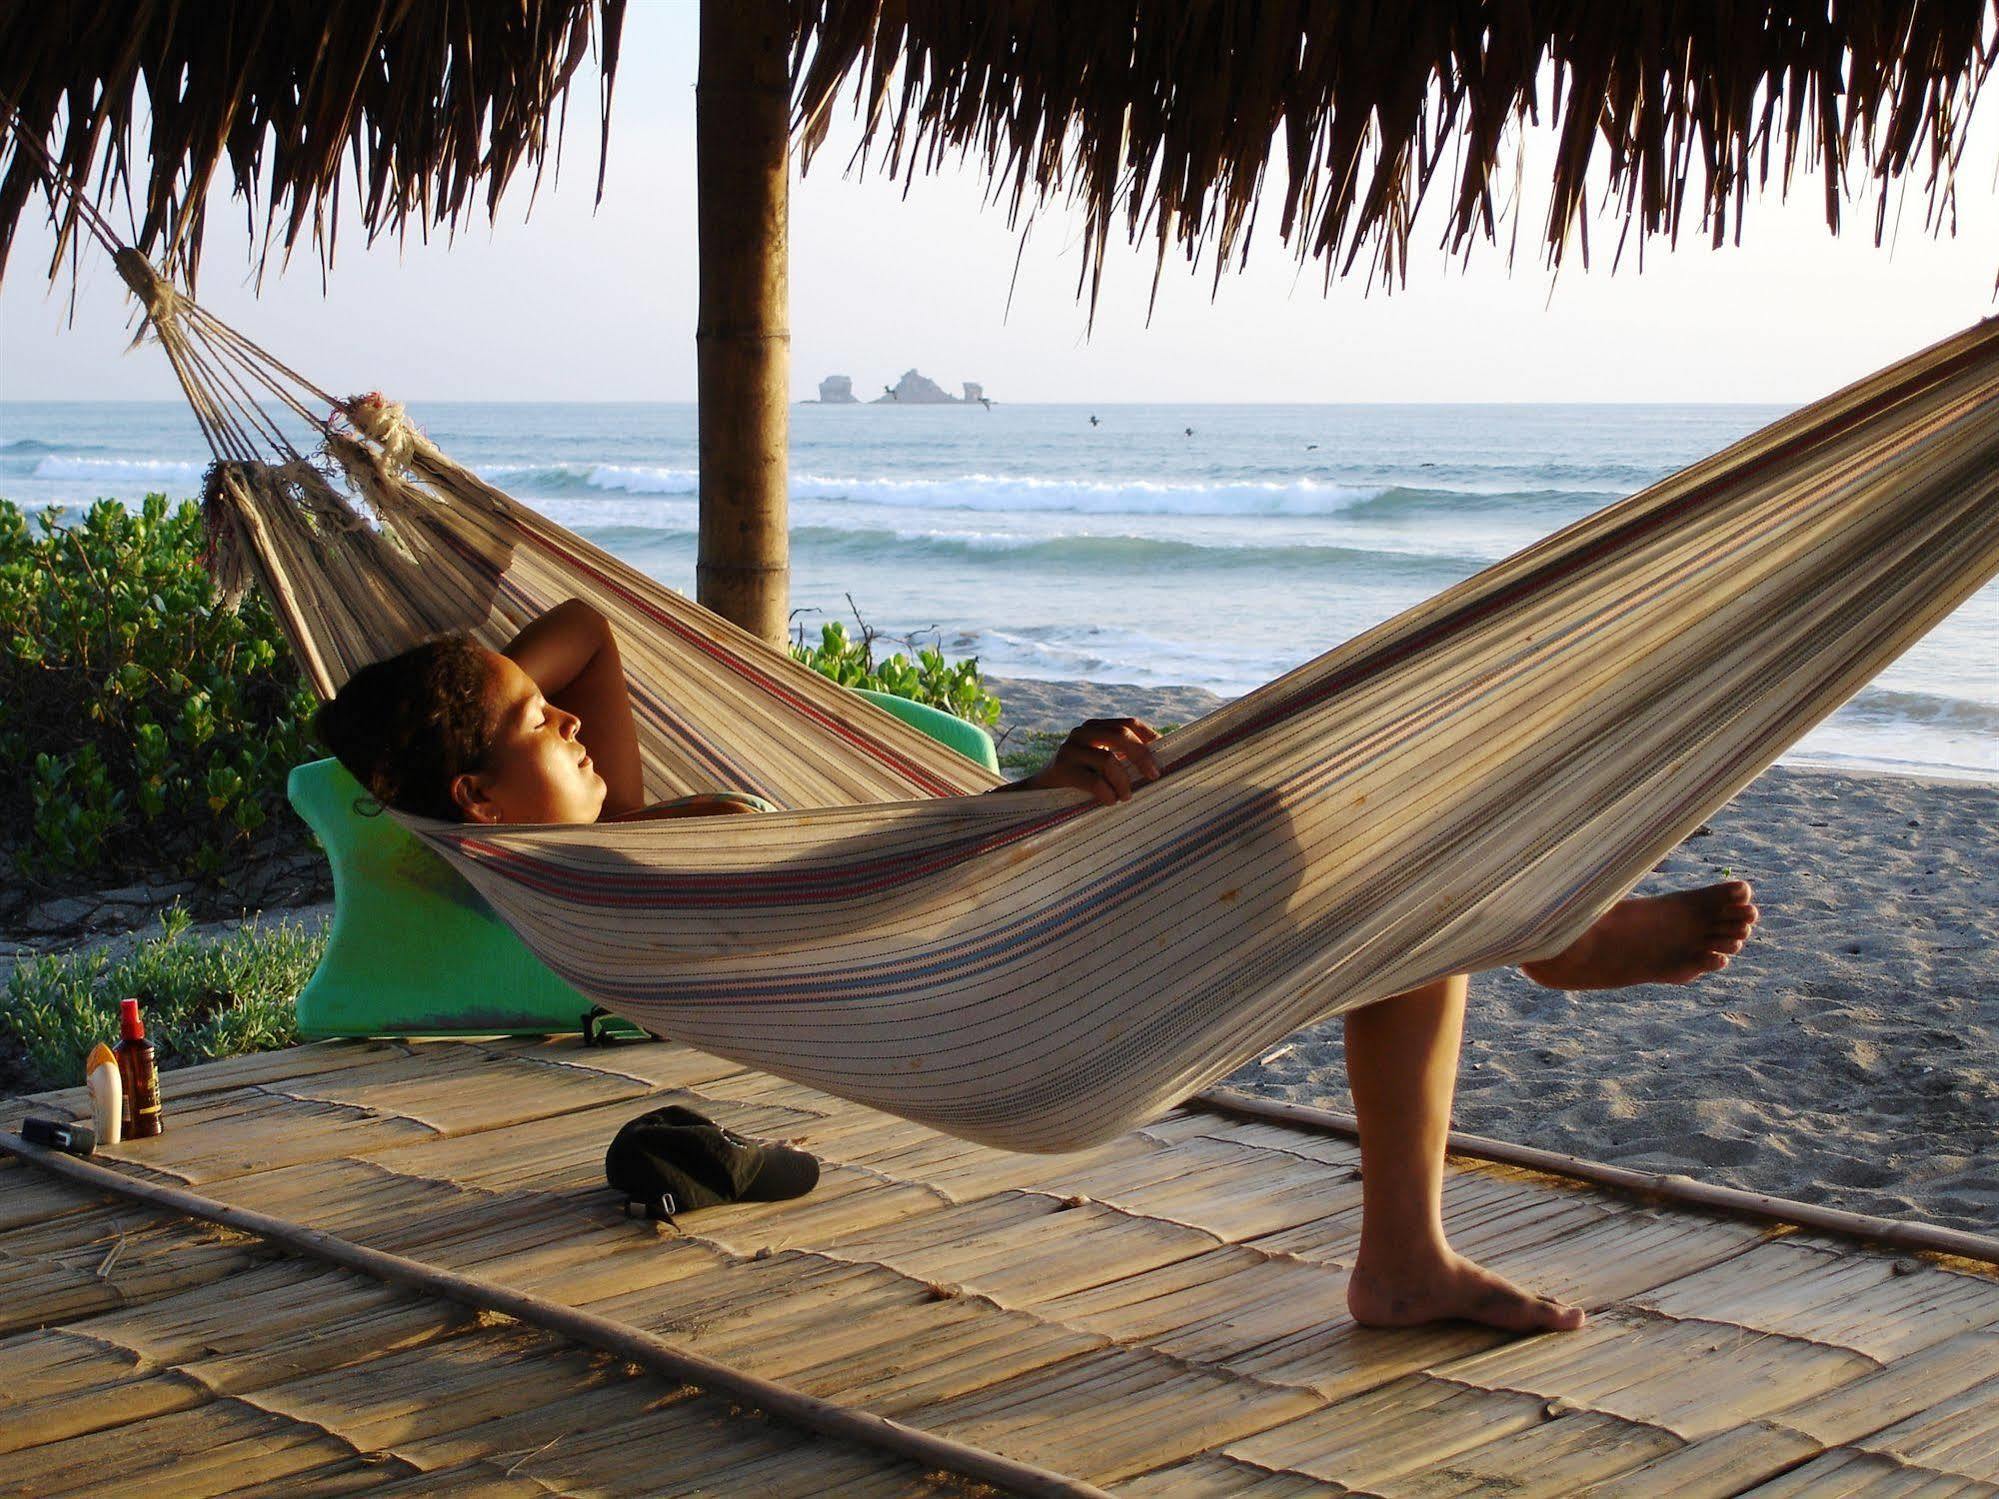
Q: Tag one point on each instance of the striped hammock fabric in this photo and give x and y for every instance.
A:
(1468, 785)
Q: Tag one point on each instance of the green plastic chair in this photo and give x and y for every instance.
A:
(414, 950)
(968, 739)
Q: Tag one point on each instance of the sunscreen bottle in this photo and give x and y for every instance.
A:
(107, 1094)
(139, 1071)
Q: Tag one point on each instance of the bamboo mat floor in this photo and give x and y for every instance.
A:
(1163, 1316)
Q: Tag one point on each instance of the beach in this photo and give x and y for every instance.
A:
(1849, 1056)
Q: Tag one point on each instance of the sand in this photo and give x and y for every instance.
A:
(1849, 1055)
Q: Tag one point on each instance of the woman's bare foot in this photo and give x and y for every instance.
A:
(1657, 939)
(1453, 1288)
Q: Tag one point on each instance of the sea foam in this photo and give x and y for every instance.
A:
(1123, 552)
(1931, 710)
(1004, 493)
(182, 477)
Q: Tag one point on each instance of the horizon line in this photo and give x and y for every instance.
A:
(911, 405)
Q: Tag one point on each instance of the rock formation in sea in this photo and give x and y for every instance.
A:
(914, 389)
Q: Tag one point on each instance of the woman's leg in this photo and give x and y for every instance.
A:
(1402, 1064)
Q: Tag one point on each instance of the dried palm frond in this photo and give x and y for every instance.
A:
(1157, 116)
(430, 101)
(1166, 114)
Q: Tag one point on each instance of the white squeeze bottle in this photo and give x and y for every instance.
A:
(107, 1095)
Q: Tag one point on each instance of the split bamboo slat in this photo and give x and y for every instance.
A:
(291, 1378)
(253, 1070)
(28, 1197)
(100, 1259)
(1163, 1315)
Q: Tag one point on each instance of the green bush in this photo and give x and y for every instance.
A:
(152, 728)
(1030, 751)
(201, 1000)
(954, 686)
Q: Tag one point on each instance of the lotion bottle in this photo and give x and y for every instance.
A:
(139, 1071)
(107, 1094)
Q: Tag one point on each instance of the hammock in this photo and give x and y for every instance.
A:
(1468, 785)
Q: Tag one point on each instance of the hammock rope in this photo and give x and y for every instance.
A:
(1469, 784)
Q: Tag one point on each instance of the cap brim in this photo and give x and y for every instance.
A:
(784, 1173)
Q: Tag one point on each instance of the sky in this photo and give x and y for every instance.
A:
(589, 302)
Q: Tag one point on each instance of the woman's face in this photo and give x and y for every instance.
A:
(538, 769)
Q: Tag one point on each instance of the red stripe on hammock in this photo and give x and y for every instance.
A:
(623, 888)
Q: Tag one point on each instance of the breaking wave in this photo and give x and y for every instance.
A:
(174, 475)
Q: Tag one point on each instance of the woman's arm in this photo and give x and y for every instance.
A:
(573, 657)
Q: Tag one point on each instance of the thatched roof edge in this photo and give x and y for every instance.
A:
(1158, 117)
(433, 104)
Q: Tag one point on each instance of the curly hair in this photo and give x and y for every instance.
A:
(410, 725)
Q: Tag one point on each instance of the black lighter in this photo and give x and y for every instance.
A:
(77, 1139)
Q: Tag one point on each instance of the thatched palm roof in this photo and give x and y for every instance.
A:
(1157, 116)
(1162, 117)
(433, 104)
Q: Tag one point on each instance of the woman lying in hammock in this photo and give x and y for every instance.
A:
(543, 732)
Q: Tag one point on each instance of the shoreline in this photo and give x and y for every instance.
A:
(1033, 705)
(1849, 1056)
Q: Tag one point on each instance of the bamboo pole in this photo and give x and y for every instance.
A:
(1681, 1191)
(742, 343)
(929, 1449)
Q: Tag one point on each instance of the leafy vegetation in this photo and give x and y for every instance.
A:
(1027, 751)
(151, 728)
(201, 999)
(954, 686)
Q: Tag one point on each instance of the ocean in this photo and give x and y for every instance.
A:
(1215, 546)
